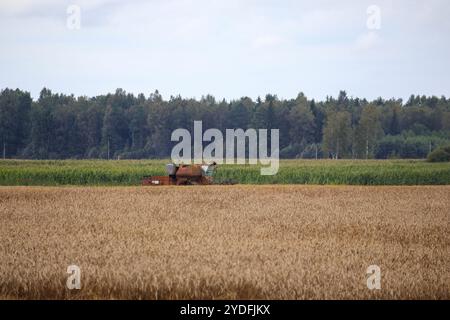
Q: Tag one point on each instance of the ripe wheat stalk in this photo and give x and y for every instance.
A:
(225, 242)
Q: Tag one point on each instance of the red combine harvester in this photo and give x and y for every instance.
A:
(183, 175)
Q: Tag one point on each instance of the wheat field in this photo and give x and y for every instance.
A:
(225, 242)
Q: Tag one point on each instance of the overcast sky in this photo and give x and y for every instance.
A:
(227, 48)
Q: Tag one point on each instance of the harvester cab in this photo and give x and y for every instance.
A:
(183, 174)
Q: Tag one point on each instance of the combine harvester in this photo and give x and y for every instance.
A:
(183, 175)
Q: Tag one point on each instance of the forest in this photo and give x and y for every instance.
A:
(122, 125)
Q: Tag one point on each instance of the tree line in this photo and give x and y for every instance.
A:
(125, 126)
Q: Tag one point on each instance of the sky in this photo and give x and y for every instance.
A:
(227, 48)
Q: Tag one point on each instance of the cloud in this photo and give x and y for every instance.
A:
(268, 41)
(18, 7)
(368, 41)
(226, 47)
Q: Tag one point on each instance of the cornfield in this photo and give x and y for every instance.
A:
(317, 172)
(225, 242)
